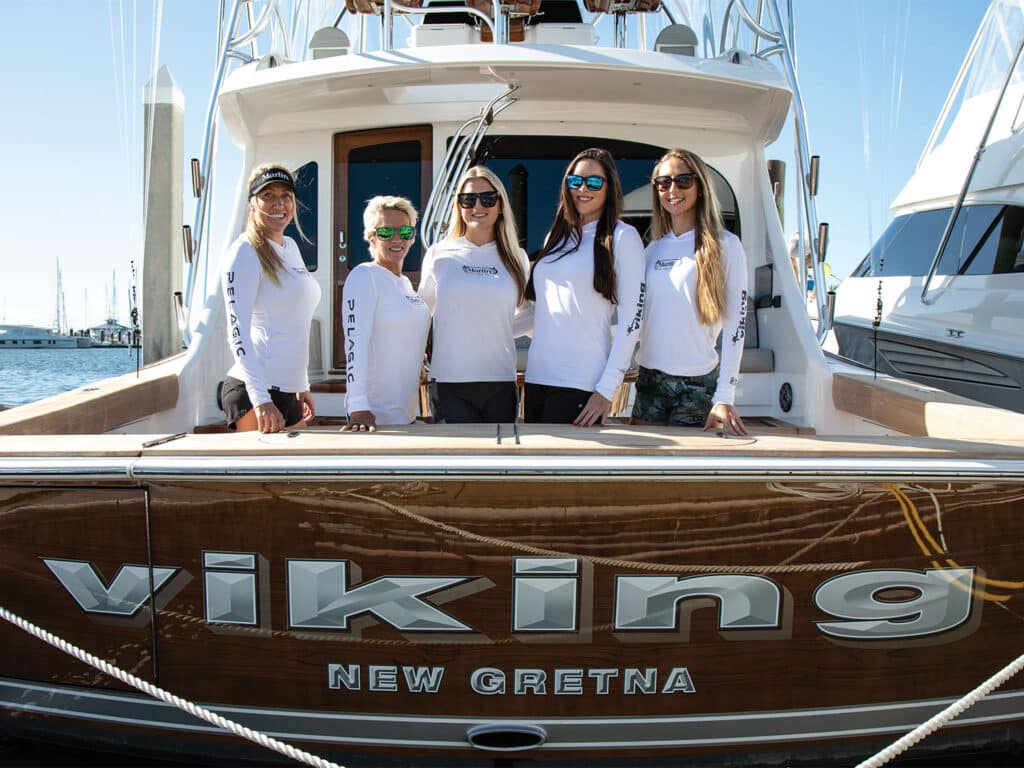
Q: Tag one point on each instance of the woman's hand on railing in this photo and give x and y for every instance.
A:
(361, 421)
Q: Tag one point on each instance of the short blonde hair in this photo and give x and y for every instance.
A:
(376, 206)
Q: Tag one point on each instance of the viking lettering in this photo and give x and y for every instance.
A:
(319, 598)
(545, 600)
(650, 602)
(941, 601)
(126, 594)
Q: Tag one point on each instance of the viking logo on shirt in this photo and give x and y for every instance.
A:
(413, 298)
(741, 329)
(487, 271)
(635, 322)
(664, 264)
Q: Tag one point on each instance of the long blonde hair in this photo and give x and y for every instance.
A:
(707, 234)
(270, 262)
(505, 236)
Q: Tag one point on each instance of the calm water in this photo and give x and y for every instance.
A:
(27, 375)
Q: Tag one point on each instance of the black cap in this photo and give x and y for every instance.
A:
(271, 176)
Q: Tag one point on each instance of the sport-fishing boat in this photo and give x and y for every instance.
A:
(519, 594)
(940, 297)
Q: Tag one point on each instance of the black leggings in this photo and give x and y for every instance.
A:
(553, 405)
(476, 402)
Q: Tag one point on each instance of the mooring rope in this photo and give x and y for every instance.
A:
(191, 708)
(876, 761)
(933, 724)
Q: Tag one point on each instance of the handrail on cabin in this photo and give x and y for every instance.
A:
(783, 48)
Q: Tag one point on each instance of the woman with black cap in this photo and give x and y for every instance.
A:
(270, 298)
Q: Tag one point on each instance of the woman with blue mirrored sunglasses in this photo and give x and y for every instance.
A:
(385, 323)
(473, 280)
(590, 267)
(594, 183)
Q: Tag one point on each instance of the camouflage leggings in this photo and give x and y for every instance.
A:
(682, 401)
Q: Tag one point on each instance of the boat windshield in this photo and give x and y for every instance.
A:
(970, 102)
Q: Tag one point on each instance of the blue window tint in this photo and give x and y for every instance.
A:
(382, 169)
(985, 240)
(305, 214)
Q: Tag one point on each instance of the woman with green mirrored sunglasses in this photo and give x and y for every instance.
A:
(385, 323)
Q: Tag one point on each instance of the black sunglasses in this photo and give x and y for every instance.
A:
(405, 232)
(468, 199)
(681, 180)
(594, 183)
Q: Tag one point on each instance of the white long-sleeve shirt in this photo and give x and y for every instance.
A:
(268, 325)
(673, 339)
(385, 324)
(573, 344)
(473, 298)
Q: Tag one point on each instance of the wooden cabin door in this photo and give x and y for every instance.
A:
(391, 161)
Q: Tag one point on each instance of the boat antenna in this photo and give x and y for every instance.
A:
(134, 313)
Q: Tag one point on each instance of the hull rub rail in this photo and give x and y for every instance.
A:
(191, 708)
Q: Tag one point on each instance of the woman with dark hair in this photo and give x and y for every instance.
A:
(473, 280)
(270, 298)
(590, 267)
(696, 284)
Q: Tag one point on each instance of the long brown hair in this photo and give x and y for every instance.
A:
(505, 236)
(270, 262)
(707, 235)
(567, 229)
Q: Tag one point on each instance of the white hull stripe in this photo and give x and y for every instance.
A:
(450, 732)
(292, 467)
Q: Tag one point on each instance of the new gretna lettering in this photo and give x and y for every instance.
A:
(493, 681)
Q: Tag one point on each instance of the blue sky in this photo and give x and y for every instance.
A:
(874, 75)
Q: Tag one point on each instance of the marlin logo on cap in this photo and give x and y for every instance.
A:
(272, 176)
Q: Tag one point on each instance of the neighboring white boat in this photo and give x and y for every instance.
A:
(36, 337)
(481, 595)
(954, 320)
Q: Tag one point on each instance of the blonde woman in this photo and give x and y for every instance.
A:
(270, 298)
(385, 323)
(696, 282)
(473, 281)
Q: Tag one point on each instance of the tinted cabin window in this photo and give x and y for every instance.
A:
(382, 169)
(305, 214)
(531, 168)
(985, 240)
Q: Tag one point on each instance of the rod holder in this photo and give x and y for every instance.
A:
(812, 176)
(197, 179)
(777, 176)
(822, 241)
(186, 241)
(179, 308)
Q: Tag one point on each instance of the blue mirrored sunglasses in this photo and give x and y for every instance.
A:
(593, 183)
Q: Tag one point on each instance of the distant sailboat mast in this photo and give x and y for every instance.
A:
(60, 319)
